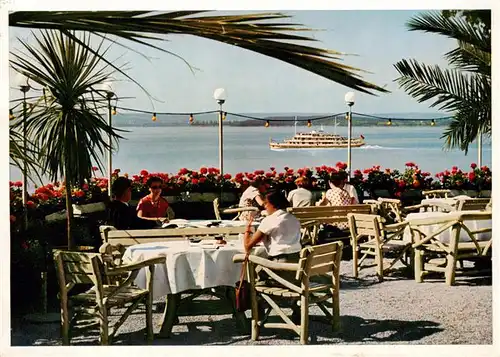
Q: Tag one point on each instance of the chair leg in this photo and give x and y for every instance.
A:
(254, 303)
(336, 311)
(355, 260)
(149, 317)
(103, 325)
(65, 326)
(418, 265)
(380, 263)
(450, 269)
(304, 318)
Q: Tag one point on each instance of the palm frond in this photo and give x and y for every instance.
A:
(68, 129)
(249, 31)
(469, 58)
(457, 28)
(448, 89)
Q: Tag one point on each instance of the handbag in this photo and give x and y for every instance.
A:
(243, 289)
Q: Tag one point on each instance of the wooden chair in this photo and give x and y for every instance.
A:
(314, 261)
(370, 237)
(234, 210)
(433, 255)
(87, 268)
(473, 204)
(436, 193)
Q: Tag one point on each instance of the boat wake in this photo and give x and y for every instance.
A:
(377, 147)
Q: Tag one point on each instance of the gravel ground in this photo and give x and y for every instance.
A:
(396, 311)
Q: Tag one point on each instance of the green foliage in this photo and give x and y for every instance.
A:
(463, 90)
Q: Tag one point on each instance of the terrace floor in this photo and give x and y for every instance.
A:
(396, 311)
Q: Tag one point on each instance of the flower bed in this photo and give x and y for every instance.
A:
(50, 198)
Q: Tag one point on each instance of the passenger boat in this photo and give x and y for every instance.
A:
(316, 140)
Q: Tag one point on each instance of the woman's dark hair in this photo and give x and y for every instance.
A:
(337, 179)
(277, 199)
(120, 185)
(257, 182)
(152, 180)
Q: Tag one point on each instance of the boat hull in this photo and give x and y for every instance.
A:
(312, 146)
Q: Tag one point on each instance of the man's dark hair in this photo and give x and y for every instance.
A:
(277, 199)
(152, 180)
(343, 175)
(120, 185)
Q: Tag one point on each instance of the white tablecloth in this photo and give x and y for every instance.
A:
(446, 235)
(188, 267)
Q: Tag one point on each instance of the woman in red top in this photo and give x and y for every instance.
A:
(153, 207)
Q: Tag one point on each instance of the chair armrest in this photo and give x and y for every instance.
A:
(443, 206)
(126, 268)
(371, 202)
(395, 226)
(238, 258)
(308, 224)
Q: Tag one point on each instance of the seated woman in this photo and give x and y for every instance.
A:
(349, 188)
(153, 207)
(301, 196)
(252, 197)
(279, 231)
(337, 196)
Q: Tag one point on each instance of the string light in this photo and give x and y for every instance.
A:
(433, 122)
(267, 124)
(11, 115)
(224, 115)
(346, 116)
(154, 117)
(309, 123)
(114, 111)
(389, 122)
(191, 119)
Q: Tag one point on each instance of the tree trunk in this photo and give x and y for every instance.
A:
(69, 209)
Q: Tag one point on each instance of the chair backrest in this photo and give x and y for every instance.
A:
(320, 260)
(137, 236)
(216, 209)
(390, 209)
(365, 225)
(473, 204)
(328, 214)
(436, 193)
(75, 268)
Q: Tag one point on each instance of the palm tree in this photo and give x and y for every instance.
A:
(261, 33)
(67, 126)
(465, 89)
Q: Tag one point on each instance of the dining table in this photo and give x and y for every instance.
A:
(416, 219)
(449, 203)
(191, 267)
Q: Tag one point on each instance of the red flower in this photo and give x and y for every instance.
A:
(79, 193)
(410, 164)
(11, 183)
(416, 184)
(18, 184)
(85, 187)
(472, 176)
(227, 176)
(194, 181)
(144, 173)
(454, 169)
(272, 168)
(183, 171)
(473, 166)
(203, 170)
(202, 179)
(43, 196)
(30, 204)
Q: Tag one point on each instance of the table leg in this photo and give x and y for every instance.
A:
(169, 315)
(240, 317)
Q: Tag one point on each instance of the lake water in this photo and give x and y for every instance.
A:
(167, 149)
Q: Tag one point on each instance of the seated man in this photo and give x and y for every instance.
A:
(120, 214)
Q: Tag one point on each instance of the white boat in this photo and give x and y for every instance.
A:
(316, 140)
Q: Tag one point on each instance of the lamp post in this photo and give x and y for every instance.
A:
(220, 97)
(349, 99)
(480, 148)
(108, 88)
(21, 82)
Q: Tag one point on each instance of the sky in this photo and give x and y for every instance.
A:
(259, 84)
